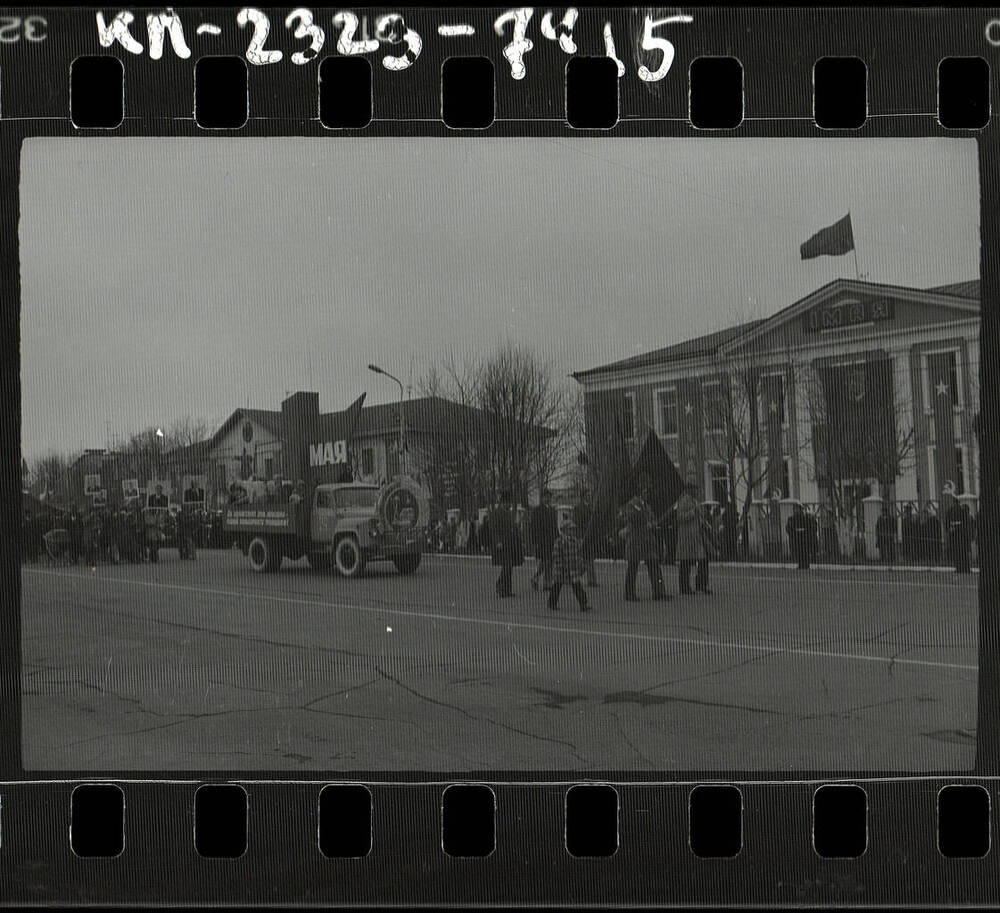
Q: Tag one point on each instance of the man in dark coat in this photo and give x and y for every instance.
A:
(641, 546)
(909, 528)
(885, 536)
(797, 528)
(931, 532)
(959, 529)
(691, 543)
(506, 541)
(583, 515)
(544, 532)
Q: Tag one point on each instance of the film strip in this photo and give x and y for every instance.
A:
(706, 291)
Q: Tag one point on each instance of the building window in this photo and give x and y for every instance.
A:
(628, 417)
(786, 479)
(268, 467)
(367, 461)
(715, 407)
(718, 475)
(772, 388)
(666, 413)
(960, 470)
(954, 381)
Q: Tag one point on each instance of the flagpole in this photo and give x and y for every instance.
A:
(857, 272)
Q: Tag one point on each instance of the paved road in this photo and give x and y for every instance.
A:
(205, 665)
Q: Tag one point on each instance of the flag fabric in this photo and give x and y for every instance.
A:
(654, 467)
(611, 492)
(942, 403)
(772, 401)
(833, 241)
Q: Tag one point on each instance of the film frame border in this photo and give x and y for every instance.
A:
(37, 838)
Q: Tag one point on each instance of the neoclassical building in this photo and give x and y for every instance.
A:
(859, 388)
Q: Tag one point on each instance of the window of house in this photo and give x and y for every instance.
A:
(715, 407)
(368, 461)
(960, 470)
(628, 416)
(786, 479)
(719, 480)
(268, 467)
(666, 413)
(773, 397)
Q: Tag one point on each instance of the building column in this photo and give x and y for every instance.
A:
(905, 403)
(802, 450)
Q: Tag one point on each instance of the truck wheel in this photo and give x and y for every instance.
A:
(320, 561)
(407, 564)
(264, 557)
(348, 558)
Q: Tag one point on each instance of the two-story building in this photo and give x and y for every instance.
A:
(859, 388)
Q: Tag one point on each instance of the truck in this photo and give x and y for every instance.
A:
(345, 525)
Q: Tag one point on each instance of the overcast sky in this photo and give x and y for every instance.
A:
(171, 277)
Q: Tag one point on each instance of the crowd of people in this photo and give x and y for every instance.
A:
(687, 535)
(115, 535)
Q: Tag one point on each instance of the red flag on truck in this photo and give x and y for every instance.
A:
(833, 241)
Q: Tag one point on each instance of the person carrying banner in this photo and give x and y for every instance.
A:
(568, 566)
(691, 543)
(641, 546)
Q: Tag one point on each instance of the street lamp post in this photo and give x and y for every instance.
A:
(375, 369)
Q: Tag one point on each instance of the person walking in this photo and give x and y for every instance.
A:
(885, 535)
(959, 538)
(690, 542)
(507, 553)
(641, 546)
(797, 528)
(583, 515)
(544, 530)
(568, 566)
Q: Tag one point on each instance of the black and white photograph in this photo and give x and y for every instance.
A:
(536, 454)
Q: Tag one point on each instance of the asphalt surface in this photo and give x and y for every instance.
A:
(196, 666)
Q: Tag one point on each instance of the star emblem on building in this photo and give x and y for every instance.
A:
(942, 388)
(773, 406)
(688, 408)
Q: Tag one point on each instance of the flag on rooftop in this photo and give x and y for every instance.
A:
(833, 241)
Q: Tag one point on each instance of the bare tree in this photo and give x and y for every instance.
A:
(184, 432)
(860, 429)
(744, 440)
(523, 405)
(50, 473)
(513, 431)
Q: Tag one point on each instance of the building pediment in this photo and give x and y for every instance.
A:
(845, 305)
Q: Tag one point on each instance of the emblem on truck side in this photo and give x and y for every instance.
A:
(402, 506)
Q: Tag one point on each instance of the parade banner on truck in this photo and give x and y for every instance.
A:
(262, 516)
